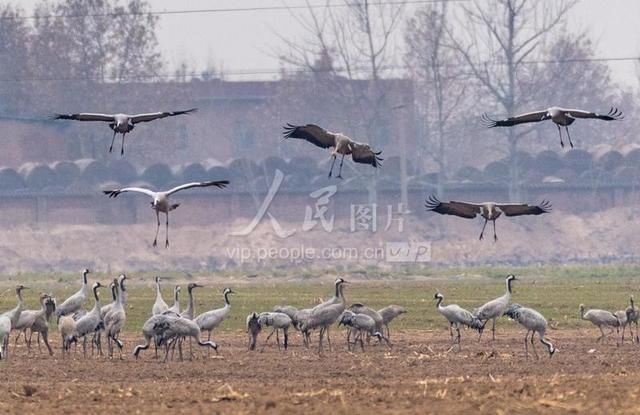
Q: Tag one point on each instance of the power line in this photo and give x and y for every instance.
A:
(273, 71)
(226, 10)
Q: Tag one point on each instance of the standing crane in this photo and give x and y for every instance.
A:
(534, 322)
(76, 301)
(457, 315)
(494, 309)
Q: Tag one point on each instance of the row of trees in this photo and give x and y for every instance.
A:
(452, 60)
(59, 52)
(503, 57)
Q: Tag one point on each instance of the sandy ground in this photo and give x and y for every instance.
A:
(555, 238)
(417, 375)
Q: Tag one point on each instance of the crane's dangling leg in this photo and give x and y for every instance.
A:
(340, 172)
(122, 146)
(155, 241)
(166, 241)
(113, 140)
(560, 132)
(332, 163)
(483, 226)
(495, 237)
(566, 127)
(526, 345)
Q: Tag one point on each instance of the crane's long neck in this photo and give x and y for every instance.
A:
(176, 301)
(631, 302)
(123, 293)
(439, 302)
(548, 344)
(582, 313)
(190, 307)
(97, 297)
(85, 284)
(114, 292)
(226, 299)
(508, 293)
(337, 294)
(158, 292)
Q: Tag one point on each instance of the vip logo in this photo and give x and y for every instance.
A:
(415, 251)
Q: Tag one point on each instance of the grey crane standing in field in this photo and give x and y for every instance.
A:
(494, 309)
(191, 308)
(27, 320)
(359, 308)
(534, 322)
(490, 211)
(152, 329)
(5, 330)
(362, 324)
(210, 320)
(120, 123)
(389, 313)
(621, 315)
(560, 116)
(600, 318)
(456, 316)
(178, 328)
(76, 301)
(91, 322)
(114, 320)
(113, 286)
(14, 314)
(159, 306)
(277, 321)
(324, 315)
(161, 202)
(253, 329)
(68, 333)
(41, 324)
(633, 315)
(341, 144)
(175, 308)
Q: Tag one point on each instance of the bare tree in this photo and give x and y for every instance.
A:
(349, 50)
(440, 81)
(498, 38)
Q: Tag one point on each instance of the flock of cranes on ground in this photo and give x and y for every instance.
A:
(169, 326)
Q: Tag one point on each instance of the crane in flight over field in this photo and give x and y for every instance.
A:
(490, 211)
(161, 201)
(120, 123)
(341, 144)
(560, 116)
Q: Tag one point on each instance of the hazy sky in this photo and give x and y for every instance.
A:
(246, 41)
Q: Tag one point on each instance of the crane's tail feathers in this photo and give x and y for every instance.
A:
(289, 129)
(431, 202)
(488, 121)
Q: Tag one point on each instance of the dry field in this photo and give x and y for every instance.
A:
(418, 375)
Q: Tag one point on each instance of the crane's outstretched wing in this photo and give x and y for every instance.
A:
(461, 209)
(157, 115)
(116, 192)
(221, 184)
(524, 209)
(362, 153)
(84, 116)
(518, 119)
(612, 115)
(312, 133)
